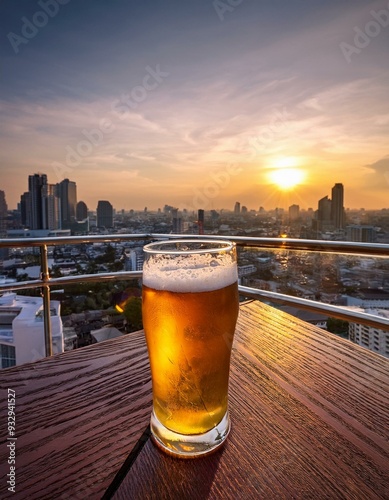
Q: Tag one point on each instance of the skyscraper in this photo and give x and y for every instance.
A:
(50, 207)
(237, 207)
(324, 214)
(104, 214)
(81, 211)
(35, 186)
(3, 214)
(294, 212)
(176, 221)
(67, 193)
(41, 204)
(337, 208)
(200, 221)
(25, 213)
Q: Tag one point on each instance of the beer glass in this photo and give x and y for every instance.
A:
(190, 306)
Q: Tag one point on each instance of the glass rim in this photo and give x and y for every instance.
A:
(223, 246)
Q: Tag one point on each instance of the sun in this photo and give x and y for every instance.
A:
(286, 178)
(285, 173)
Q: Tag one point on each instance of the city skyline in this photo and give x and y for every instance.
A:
(68, 200)
(198, 104)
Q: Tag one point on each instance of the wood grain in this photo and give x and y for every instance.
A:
(310, 419)
(309, 411)
(78, 416)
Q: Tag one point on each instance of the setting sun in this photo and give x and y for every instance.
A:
(286, 178)
(285, 172)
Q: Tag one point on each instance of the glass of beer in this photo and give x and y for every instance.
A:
(190, 306)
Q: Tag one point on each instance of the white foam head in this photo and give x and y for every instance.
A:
(192, 272)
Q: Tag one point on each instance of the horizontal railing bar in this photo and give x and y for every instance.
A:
(70, 280)
(70, 240)
(298, 302)
(366, 249)
(319, 307)
(341, 247)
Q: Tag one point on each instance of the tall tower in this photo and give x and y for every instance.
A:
(337, 208)
(294, 212)
(50, 207)
(177, 222)
(104, 214)
(237, 207)
(25, 209)
(3, 214)
(81, 211)
(324, 214)
(200, 220)
(41, 204)
(35, 189)
(67, 193)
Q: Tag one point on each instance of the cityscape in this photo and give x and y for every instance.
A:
(264, 124)
(86, 314)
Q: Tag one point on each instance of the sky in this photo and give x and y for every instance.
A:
(197, 103)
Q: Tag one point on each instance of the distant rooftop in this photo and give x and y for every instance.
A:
(373, 293)
(305, 315)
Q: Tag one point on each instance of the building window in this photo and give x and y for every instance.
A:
(7, 356)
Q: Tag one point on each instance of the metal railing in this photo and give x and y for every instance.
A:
(334, 247)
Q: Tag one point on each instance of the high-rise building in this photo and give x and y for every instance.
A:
(50, 207)
(67, 193)
(237, 207)
(337, 207)
(25, 209)
(35, 189)
(40, 206)
(104, 214)
(324, 212)
(200, 221)
(177, 222)
(81, 211)
(3, 214)
(363, 233)
(294, 212)
(371, 337)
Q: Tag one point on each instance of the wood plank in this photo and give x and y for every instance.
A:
(310, 419)
(78, 416)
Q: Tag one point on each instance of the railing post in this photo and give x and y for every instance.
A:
(46, 300)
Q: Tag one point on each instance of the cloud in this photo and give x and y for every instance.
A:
(377, 175)
(275, 78)
(380, 166)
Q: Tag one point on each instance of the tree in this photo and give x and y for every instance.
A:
(338, 326)
(116, 266)
(133, 314)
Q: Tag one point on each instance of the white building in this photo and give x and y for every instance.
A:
(368, 303)
(374, 339)
(22, 338)
(245, 270)
(37, 233)
(134, 261)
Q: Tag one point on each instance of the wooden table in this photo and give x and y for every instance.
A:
(310, 419)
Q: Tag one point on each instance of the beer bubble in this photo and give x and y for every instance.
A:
(190, 273)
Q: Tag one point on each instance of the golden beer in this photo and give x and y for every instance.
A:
(189, 338)
(190, 306)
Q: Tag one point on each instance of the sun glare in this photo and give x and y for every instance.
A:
(285, 172)
(285, 162)
(286, 178)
